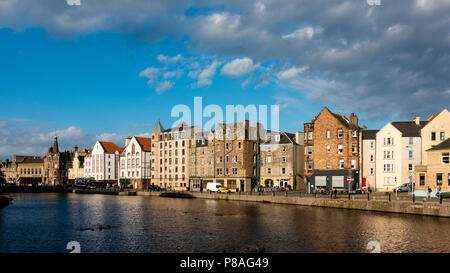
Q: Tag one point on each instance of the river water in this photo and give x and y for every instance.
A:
(43, 223)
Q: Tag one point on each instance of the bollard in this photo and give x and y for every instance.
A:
(414, 198)
(440, 199)
(368, 197)
(348, 196)
(389, 197)
(315, 195)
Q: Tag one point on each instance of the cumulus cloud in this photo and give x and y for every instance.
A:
(291, 72)
(164, 86)
(238, 67)
(151, 73)
(304, 33)
(170, 60)
(204, 77)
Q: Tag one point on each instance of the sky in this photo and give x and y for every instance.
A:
(106, 69)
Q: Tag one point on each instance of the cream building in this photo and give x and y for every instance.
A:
(77, 169)
(436, 131)
(398, 150)
(170, 156)
(102, 163)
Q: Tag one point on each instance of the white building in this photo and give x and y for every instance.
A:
(103, 161)
(135, 164)
(368, 157)
(398, 150)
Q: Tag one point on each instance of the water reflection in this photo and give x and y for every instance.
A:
(47, 222)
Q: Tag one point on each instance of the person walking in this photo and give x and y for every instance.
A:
(429, 192)
(438, 194)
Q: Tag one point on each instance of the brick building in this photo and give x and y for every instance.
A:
(332, 151)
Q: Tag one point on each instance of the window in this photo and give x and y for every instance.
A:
(388, 141)
(340, 150)
(328, 164)
(422, 179)
(388, 167)
(445, 158)
(439, 179)
(328, 148)
(372, 145)
(310, 165)
(310, 150)
(277, 138)
(339, 133)
(283, 170)
(269, 159)
(283, 148)
(410, 154)
(411, 141)
(354, 148)
(269, 170)
(328, 134)
(410, 167)
(433, 135)
(353, 163)
(310, 135)
(371, 158)
(341, 164)
(442, 135)
(448, 179)
(283, 159)
(354, 134)
(371, 170)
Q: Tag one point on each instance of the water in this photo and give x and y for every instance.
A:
(42, 223)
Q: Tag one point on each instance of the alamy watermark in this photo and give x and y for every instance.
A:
(231, 120)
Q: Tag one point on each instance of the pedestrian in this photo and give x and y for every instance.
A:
(438, 194)
(429, 192)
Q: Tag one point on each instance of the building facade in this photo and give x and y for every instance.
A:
(434, 132)
(135, 163)
(77, 168)
(398, 150)
(368, 158)
(282, 161)
(332, 151)
(57, 165)
(170, 156)
(102, 162)
(435, 173)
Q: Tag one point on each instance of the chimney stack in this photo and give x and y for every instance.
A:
(353, 119)
(417, 120)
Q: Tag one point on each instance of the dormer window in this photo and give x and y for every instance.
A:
(277, 138)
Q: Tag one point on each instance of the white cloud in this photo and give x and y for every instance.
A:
(291, 72)
(164, 86)
(170, 60)
(447, 92)
(238, 67)
(173, 74)
(151, 73)
(304, 33)
(205, 77)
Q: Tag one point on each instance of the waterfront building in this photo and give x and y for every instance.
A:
(282, 161)
(56, 165)
(102, 162)
(228, 155)
(170, 156)
(435, 173)
(368, 158)
(135, 162)
(77, 169)
(398, 150)
(434, 132)
(332, 151)
(31, 171)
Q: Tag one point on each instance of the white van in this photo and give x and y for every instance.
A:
(214, 187)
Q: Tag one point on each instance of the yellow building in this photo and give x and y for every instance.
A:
(77, 169)
(436, 172)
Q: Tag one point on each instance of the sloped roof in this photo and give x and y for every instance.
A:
(409, 128)
(285, 138)
(33, 160)
(158, 128)
(444, 145)
(146, 143)
(369, 134)
(110, 147)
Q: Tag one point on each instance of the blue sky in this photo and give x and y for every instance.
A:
(103, 72)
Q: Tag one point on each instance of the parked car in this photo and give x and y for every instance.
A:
(214, 187)
(223, 190)
(403, 188)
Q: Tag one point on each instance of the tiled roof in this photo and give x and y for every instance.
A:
(369, 134)
(285, 138)
(444, 145)
(33, 160)
(110, 147)
(409, 128)
(146, 143)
